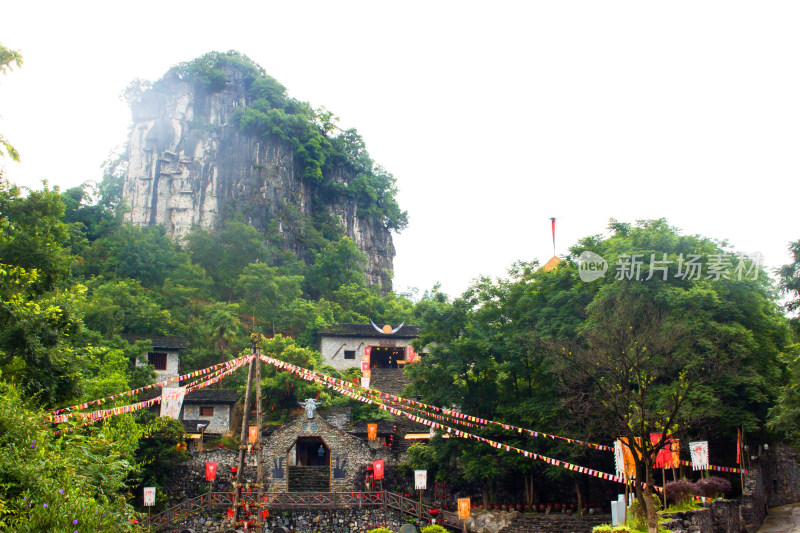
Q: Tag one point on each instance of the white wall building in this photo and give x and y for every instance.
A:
(344, 346)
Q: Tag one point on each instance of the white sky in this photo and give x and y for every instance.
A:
(493, 117)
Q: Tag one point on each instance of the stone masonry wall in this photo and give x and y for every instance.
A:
(347, 453)
(551, 523)
(219, 423)
(780, 469)
(312, 521)
(754, 500)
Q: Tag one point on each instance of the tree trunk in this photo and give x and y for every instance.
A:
(485, 494)
(580, 497)
(652, 516)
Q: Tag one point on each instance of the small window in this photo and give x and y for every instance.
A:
(349, 354)
(206, 411)
(158, 360)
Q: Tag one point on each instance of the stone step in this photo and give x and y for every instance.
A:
(309, 479)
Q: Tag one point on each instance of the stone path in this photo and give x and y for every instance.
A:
(783, 519)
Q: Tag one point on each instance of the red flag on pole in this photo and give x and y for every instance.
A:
(738, 444)
(553, 222)
(377, 468)
(211, 471)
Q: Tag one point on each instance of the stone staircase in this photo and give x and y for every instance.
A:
(555, 523)
(391, 380)
(394, 381)
(309, 479)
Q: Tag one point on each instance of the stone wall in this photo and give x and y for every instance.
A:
(172, 365)
(780, 469)
(774, 480)
(311, 521)
(219, 423)
(754, 500)
(389, 380)
(551, 523)
(349, 457)
(719, 516)
(347, 453)
(699, 521)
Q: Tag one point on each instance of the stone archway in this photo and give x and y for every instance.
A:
(309, 459)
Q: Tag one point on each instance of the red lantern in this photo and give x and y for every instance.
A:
(234, 470)
(265, 514)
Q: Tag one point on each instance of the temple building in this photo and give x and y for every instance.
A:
(345, 346)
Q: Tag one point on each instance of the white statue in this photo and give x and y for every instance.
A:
(310, 405)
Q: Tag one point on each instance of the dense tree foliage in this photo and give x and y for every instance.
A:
(626, 355)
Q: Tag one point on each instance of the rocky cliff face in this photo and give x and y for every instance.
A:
(188, 165)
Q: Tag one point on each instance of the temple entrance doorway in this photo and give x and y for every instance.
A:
(311, 451)
(387, 356)
(309, 465)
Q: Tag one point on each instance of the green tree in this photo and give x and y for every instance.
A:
(63, 483)
(789, 275)
(9, 58)
(339, 263)
(266, 292)
(125, 307)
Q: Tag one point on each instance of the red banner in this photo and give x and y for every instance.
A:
(252, 434)
(665, 457)
(377, 468)
(211, 471)
(365, 366)
(372, 431)
(738, 445)
(367, 350)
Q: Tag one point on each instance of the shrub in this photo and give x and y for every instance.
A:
(608, 528)
(380, 530)
(713, 487)
(637, 516)
(434, 528)
(680, 491)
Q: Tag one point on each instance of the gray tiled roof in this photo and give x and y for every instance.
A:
(163, 342)
(366, 330)
(212, 396)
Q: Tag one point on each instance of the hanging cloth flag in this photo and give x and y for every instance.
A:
(664, 456)
(172, 401)
(377, 468)
(420, 479)
(738, 444)
(619, 458)
(699, 453)
(628, 454)
(675, 447)
(211, 471)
